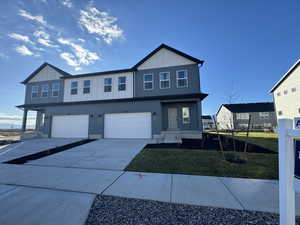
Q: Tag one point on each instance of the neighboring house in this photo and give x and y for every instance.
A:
(207, 122)
(157, 98)
(286, 93)
(236, 116)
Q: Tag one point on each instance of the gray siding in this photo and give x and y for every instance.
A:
(256, 120)
(49, 99)
(193, 81)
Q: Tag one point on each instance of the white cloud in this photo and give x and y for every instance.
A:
(12, 120)
(23, 50)
(41, 34)
(81, 40)
(39, 19)
(100, 23)
(20, 37)
(81, 55)
(47, 43)
(67, 3)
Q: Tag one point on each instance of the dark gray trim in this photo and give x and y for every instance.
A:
(200, 96)
(99, 73)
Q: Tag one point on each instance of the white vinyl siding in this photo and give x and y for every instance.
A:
(242, 116)
(55, 89)
(34, 91)
(182, 78)
(164, 80)
(148, 81)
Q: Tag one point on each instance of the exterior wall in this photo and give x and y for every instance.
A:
(164, 58)
(49, 99)
(193, 81)
(257, 122)
(193, 125)
(46, 74)
(207, 124)
(288, 103)
(97, 88)
(97, 111)
(224, 119)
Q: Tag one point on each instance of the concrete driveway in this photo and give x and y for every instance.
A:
(104, 154)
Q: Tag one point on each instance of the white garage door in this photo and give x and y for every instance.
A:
(127, 125)
(71, 126)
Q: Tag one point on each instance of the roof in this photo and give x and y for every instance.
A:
(198, 61)
(249, 107)
(285, 76)
(99, 73)
(65, 74)
(208, 117)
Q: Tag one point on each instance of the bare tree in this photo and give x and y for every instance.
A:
(232, 96)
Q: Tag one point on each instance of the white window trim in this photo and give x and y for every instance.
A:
(74, 88)
(55, 89)
(177, 79)
(148, 89)
(42, 86)
(160, 80)
(264, 114)
(119, 83)
(35, 86)
(108, 85)
(189, 116)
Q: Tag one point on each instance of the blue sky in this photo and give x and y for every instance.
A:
(247, 45)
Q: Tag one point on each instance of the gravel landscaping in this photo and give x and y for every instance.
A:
(109, 210)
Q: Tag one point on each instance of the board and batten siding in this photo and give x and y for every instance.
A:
(46, 74)
(288, 103)
(224, 119)
(164, 58)
(97, 88)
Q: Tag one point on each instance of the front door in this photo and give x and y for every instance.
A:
(172, 118)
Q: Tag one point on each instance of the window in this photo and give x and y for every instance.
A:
(55, 89)
(294, 89)
(279, 113)
(182, 78)
(86, 86)
(185, 115)
(264, 114)
(242, 116)
(121, 83)
(298, 110)
(45, 90)
(148, 81)
(74, 87)
(164, 80)
(107, 84)
(285, 92)
(34, 91)
(267, 125)
(243, 125)
(278, 94)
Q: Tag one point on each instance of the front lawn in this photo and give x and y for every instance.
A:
(204, 162)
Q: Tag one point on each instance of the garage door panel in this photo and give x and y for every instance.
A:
(70, 126)
(127, 125)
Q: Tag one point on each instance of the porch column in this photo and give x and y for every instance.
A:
(38, 120)
(24, 120)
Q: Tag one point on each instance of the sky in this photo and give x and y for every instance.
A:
(246, 45)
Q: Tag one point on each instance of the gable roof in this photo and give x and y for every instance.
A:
(285, 76)
(63, 73)
(198, 61)
(249, 107)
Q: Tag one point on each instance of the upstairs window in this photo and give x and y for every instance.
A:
(34, 91)
(264, 114)
(107, 84)
(121, 83)
(278, 94)
(242, 116)
(294, 89)
(148, 81)
(45, 90)
(86, 86)
(280, 113)
(186, 115)
(55, 89)
(285, 92)
(182, 78)
(164, 80)
(74, 88)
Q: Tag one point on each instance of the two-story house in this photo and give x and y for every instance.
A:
(158, 97)
(236, 116)
(286, 93)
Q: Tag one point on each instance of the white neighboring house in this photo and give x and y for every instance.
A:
(286, 93)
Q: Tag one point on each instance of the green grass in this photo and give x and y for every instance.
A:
(204, 162)
(262, 139)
